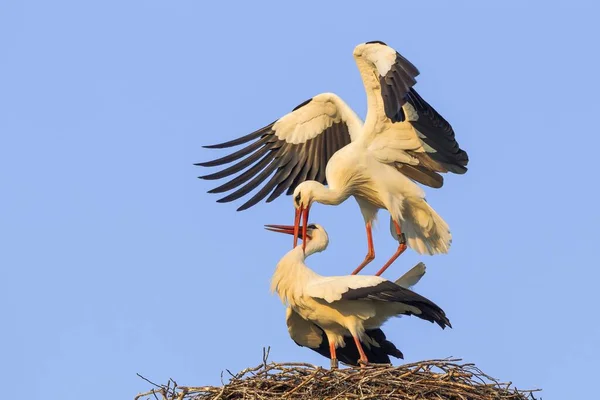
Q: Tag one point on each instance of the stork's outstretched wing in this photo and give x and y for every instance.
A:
(404, 128)
(374, 288)
(291, 150)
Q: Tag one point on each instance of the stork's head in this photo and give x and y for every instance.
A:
(365, 49)
(377, 54)
(313, 233)
(318, 237)
(304, 195)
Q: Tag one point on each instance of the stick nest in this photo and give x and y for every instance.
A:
(432, 379)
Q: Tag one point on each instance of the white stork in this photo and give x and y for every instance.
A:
(322, 141)
(343, 305)
(376, 346)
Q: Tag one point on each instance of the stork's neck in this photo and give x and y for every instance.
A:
(373, 90)
(330, 195)
(316, 244)
(292, 274)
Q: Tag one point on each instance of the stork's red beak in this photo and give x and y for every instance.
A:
(300, 211)
(304, 227)
(287, 229)
(296, 226)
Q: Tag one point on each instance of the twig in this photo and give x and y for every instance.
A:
(433, 379)
(149, 381)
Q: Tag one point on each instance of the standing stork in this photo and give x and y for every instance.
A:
(376, 346)
(343, 305)
(322, 141)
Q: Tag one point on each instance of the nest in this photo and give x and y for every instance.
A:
(432, 379)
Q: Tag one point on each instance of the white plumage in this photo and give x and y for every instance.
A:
(375, 344)
(322, 141)
(343, 305)
(316, 116)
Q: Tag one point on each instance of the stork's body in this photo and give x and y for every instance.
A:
(344, 305)
(375, 185)
(322, 141)
(357, 170)
(307, 334)
(375, 344)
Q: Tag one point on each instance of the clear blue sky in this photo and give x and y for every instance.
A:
(114, 260)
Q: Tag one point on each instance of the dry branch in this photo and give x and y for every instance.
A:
(432, 379)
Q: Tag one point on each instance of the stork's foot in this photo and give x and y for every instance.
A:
(334, 363)
(363, 363)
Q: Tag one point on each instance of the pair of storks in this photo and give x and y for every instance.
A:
(402, 141)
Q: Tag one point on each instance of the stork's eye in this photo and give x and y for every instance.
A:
(297, 198)
(312, 226)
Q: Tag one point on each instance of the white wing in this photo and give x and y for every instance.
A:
(303, 332)
(316, 115)
(376, 289)
(332, 288)
(387, 77)
(401, 127)
(291, 150)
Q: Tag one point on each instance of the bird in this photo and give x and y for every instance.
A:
(403, 141)
(376, 346)
(343, 305)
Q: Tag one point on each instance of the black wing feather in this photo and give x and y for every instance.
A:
(235, 156)
(311, 167)
(236, 142)
(437, 133)
(287, 184)
(390, 292)
(314, 160)
(268, 187)
(324, 156)
(397, 90)
(395, 85)
(349, 354)
(298, 178)
(290, 164)
(252, 184)
(242, 178)
(238, 166)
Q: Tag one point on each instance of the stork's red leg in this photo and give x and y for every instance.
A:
(400, 250)
(334, 361)
(363, 357)
(371, 252)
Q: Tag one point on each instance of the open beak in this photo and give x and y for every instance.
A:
(280, 229)
(301, 212)
(296, 226)
(304, 227)
(287, 229)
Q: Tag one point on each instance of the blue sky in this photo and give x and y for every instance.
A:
(115, 261)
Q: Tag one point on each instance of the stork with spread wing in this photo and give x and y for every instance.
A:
(323, 142)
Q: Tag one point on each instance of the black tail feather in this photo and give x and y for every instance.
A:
(387, 291)
(349, 354)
